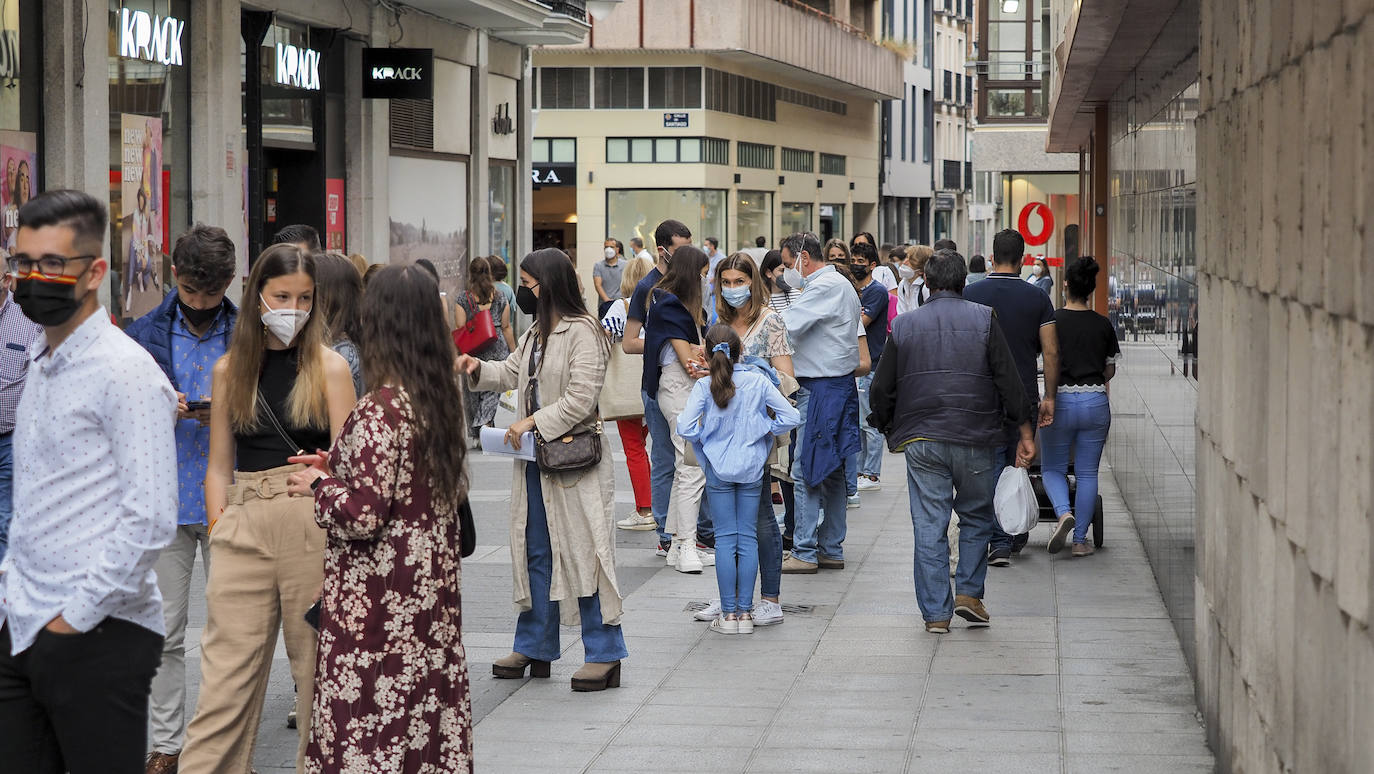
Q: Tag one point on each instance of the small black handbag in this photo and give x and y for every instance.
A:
(568, 453)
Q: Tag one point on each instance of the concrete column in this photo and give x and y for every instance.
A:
(524, 191)
(217, 153)
(367, 136)
(1101, 185)
(479, 182)
(76, 97)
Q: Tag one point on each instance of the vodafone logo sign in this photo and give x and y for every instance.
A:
(1023, 223)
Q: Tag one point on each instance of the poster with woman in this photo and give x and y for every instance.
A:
(19, 160)
(140, 243)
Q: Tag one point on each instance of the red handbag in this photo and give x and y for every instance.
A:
(477, 332)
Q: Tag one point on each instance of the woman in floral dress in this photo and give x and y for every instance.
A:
(391, 681)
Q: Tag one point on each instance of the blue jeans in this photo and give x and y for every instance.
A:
(661, 463)
(736, 511)
(1081, 422)
(536, 633)
(851, 475)
(6, 490)
(871, 449)
(770, 545)
(813, 533)
(941, 477)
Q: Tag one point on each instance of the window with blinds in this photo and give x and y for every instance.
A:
(795, 160)
(565, 88)
(412, 123)
(753, 155)
(619, 88)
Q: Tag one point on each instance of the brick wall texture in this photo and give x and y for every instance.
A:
(1286, 417)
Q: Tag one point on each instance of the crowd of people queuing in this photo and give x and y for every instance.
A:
(313, 443)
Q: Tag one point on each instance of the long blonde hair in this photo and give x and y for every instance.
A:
(636, 269)
(307, 405)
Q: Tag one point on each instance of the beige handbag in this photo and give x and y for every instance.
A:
(620, 394)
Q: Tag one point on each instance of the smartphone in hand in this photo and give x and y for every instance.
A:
(197, 405)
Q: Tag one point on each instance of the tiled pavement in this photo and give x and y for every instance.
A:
(1080, 671)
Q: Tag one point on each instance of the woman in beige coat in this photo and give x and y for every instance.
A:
(562, 542)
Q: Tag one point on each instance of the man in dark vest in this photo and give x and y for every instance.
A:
(944, 387)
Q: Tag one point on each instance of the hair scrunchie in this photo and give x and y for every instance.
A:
(722, 347)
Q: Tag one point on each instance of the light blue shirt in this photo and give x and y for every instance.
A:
(193, 360)
(823, 325)
(737, 439)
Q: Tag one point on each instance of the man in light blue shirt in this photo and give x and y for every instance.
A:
(823, 325)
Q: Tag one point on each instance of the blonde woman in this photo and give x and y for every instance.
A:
(280, 390)
(912, 291)
(620, 399)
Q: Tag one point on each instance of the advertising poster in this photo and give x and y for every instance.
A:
(334, 214)
(429, 216)
(140, 245)
(19, 160)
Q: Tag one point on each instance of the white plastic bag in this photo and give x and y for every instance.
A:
(1014, 501)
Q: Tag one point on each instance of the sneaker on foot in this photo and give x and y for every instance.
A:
(937, 627)
(853, 501)
(689, 560)
(662, 549)
(999, 558)
(637, 521)
(971, 609)
(868, 483)
(1083, 549)
(1062, 531)
(746, 623)
(708, 555)
(711, 613)
(674, 551)
(794, 566)
(722, 625)
(767, 613)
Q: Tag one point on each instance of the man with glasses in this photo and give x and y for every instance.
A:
(94, 503)
(17, 332)
(186, 334)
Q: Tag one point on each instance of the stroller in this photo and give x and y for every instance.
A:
(1047, 513)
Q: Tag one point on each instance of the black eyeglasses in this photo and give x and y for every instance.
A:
(50, 266)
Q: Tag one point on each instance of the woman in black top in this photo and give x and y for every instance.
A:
(1082, 413)
(279, 391)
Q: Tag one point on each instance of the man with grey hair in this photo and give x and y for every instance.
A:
(186, 334)
(944, 387)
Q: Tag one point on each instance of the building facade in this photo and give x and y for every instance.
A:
(908, 127)
(1224, 175)
(1012, 172)
(741, 118)
(251, 119)
(952, 120)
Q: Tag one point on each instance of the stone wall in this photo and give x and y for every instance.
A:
(1286, 410)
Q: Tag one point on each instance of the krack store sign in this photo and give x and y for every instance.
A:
(297, 66)
(398, 73)
(151, 37)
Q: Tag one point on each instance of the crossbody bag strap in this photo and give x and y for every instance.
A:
(265, 407)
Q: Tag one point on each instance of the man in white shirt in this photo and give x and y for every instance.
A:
(95, 501)
(758, 252)
(637, 245)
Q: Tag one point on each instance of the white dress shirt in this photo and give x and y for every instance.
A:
(823, 326)
(95, 493)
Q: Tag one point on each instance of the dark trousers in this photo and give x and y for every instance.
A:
(78, 702)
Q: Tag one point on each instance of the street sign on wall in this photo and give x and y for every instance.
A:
(675, 120)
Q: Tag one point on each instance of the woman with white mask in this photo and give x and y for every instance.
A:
(278, 392)
(911, 289)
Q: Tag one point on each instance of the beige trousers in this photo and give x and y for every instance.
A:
(268, 569)
(689, 482)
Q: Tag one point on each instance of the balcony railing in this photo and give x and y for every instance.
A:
(576, 9)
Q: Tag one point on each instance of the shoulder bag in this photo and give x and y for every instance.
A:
(568, 453)
(477, 332)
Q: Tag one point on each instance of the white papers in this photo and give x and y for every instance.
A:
(494, 442)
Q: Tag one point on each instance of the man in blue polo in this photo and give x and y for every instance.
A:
(186, 334)
(1026, 317)
(824, 326)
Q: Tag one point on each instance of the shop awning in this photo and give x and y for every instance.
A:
(1104, 42)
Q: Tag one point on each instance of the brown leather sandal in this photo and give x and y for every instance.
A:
(597, 676)
(512, 667)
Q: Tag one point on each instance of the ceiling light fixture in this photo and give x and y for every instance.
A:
(600, 9)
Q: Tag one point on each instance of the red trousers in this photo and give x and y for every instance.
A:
(633, 433)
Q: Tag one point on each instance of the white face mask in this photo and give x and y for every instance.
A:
(610, 253)
(792, 277)
(285, 324)
(906, 272)
(1036, 270)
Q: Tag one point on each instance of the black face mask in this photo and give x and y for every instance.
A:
(859, 271)
(198, 317)
(526, 300)
(47, 303)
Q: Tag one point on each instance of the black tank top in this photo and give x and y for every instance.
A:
(264, 448)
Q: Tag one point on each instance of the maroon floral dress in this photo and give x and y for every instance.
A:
(391, 681)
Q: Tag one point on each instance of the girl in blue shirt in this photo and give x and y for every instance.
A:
(730, 420)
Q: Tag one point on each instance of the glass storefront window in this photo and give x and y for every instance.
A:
(796, 217)
(501, 212)
(20, 113)
(753, 218)
(637, 212)
(287, 113)
(149, 162)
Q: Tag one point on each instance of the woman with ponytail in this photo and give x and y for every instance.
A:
(730, 419)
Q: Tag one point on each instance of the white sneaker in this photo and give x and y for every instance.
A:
(852, 502)
(708, 558)
(636, 521)
(868, 484)
(661, 551)
(689, 559)
(746, 624)
(673, 550)
(722, 626)
(711, 613)
(767, 613)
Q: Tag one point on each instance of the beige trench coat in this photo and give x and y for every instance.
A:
(579, 505)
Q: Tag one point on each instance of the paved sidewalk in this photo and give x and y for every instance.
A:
(1080, 671)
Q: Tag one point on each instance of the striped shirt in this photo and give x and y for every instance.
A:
(17, 332)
